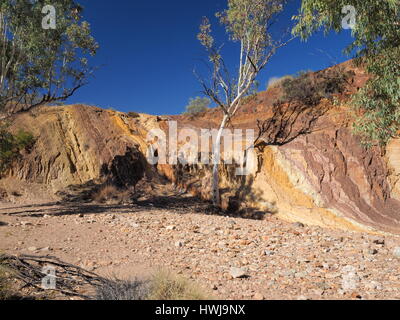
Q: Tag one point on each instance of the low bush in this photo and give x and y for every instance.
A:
(123, 290)
(12, 144)
(310, 88)
(110, 194)
(162, 285)
(277, 82)
(133, 115)
(197, 105)
(167, 286)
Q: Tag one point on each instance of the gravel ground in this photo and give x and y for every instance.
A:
(231, 258)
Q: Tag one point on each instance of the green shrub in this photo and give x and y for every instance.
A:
(310, 88)
(133, 115)
(197, 105)
(23, 139)
(276, 82)
(11, 145)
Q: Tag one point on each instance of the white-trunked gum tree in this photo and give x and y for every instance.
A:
(247, 23)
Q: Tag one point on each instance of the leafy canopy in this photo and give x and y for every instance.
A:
(377, 45)
(248, 23)
(42, 65)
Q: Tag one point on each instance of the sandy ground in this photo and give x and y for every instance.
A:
(280, 260)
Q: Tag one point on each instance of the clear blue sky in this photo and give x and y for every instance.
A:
(148, 50)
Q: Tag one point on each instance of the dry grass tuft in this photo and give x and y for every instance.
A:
(110, 194)
(163, 285)
(125, 290)
(167, 286)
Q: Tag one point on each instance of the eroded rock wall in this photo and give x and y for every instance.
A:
(311, 168)
(77, 144)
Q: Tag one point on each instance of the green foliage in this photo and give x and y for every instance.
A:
(23, 139)
(245, 19)
(378, 103)
(310, 88)
(197, 105)
(376, 41)
(276, 82)
(42, 65)
(376, 21)
(133, 114)
(246, 22)
(11, 145)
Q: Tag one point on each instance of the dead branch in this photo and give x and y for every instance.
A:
(69, 278)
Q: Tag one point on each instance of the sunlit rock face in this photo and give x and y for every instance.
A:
(77, 144)
(310, 167)
(322, 177)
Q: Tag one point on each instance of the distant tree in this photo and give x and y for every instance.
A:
(247, 22)
(376, 35)
(41, 65)
(197, 105)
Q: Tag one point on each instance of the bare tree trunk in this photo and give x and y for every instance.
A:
(216, 160)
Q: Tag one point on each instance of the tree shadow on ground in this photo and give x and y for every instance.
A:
(64, 209)
(177, 203)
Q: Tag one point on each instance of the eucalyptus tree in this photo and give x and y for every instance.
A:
(247, 23)
(44, 51)
(376, 42)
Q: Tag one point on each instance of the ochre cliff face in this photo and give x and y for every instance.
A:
(76, 144)
(311, 168)
(322, 175)
(393, 161)
(327, 178)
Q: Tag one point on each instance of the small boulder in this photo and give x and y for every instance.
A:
(373, 251)
(237, 273)
(396, 252)
(268, 252)
(179, 244)
(134, 225)
(298, 225)
(379, 242)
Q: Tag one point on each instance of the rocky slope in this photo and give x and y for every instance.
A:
(77, 144)
(311, 168)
